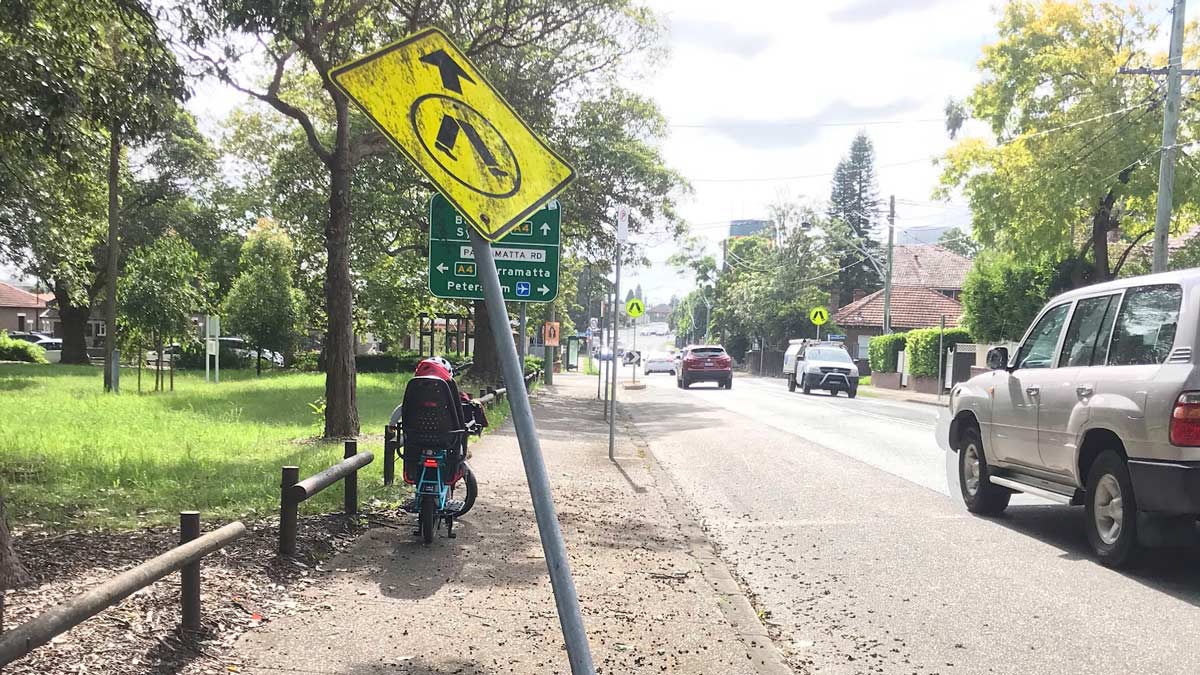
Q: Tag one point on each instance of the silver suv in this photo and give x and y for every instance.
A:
(1100, 406)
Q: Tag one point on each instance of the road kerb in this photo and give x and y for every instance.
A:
(733, 602)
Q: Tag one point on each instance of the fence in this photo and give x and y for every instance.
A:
(184, 558)
(292, 491)
(392, 441)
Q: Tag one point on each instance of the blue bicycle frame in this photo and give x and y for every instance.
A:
(433, 484)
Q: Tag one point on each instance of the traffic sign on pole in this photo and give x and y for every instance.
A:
(527, 260)
(818, 315)
(443, 114)
(437, 108)
(635, 308)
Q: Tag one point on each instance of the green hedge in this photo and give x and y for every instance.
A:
(20, 350)
(883, 351)
(921, 349)
(533, 363)
(400, 362)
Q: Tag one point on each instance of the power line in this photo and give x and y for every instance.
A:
(801, 125)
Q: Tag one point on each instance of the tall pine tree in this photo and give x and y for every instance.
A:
(854, 205)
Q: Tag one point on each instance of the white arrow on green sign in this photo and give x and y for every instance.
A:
(527, 259)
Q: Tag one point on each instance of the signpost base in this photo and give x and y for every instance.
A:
(565, 597)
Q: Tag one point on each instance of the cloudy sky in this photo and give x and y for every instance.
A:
(764, 99)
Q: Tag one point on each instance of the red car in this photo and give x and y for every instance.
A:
(705, 363)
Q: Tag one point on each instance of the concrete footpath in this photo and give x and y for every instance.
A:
(655, 596)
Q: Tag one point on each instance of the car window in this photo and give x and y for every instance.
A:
(1145, 329)
(708, 351)
(1038, 349)
(829, 355)
(1086, 343)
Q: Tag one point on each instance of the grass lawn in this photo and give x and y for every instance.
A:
(73, 457)
(864, 381)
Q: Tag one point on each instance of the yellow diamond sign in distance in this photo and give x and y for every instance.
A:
(635, 308)
(818, 315)
(441, 112)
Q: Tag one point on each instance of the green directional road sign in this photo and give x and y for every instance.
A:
(527, 259)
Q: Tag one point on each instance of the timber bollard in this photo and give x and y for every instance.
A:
(389, 454)
(350, 483)
(288, 510)
(189, 530)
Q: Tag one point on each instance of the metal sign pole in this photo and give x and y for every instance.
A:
(565, 598)
(521, 332)
(612, 415)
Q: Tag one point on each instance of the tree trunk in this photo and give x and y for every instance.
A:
(341, 403)
(1102, 222)
(12, 573)
(114, 205)
(258, 364)
(74, 321)
(486, 364)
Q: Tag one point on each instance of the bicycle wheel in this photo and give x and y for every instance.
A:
(472, 490)
(428, 517)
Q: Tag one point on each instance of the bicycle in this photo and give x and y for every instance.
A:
(432, 426)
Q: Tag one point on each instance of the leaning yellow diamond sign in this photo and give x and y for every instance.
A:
(440, 111)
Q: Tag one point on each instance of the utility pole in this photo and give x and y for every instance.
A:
(1166, 165)
(887, 280)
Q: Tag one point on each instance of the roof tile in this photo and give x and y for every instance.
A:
(912, 307)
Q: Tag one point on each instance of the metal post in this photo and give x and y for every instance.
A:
(287, 510)
(189, 529)
(634, 349)
(389, 456)
(114, 378)
(612, 413)
(350, 482)
(570, 617)
(521, 331)
(1166, 164)
(941, 355)
(887, 280)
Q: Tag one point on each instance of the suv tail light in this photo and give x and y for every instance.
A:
(1185, 419)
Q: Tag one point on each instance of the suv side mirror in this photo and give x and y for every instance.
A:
(997, 358)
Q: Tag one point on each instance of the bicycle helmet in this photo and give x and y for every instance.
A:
(443, 363)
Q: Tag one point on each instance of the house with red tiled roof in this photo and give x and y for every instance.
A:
(926, 284)
(20, 310)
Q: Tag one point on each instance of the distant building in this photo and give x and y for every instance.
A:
(926, 284)
(659, 312)
(20, 310)
(745, 228)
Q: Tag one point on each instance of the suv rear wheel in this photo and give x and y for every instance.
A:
(1111, 511)
(978, 492)
(791, 381)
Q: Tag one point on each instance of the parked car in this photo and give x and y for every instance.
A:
(52, 345)
(171, 352)
(1099, 405)
(603, 354)
(659, 363)
(243, 350)
(705, 363)
(820, 365)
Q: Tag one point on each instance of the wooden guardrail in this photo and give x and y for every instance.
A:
(392, 442)
(184, 558)
(293, 491)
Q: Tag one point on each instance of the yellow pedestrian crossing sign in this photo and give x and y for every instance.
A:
(635, 308)
(818, 315)
(439, 110)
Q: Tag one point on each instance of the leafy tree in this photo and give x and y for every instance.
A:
(1002, 294)
(853, 215)
(1075, 159)
(959, 241)
(263, 305)
(533, 50)
(161, 290)
(78, 82)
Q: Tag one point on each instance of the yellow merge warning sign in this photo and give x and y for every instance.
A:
(438, 109)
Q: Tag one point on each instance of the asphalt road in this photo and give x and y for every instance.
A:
(837, 517)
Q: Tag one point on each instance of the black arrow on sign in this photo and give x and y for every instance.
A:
(449, 69)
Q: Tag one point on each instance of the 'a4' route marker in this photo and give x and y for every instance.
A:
(441, 112)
